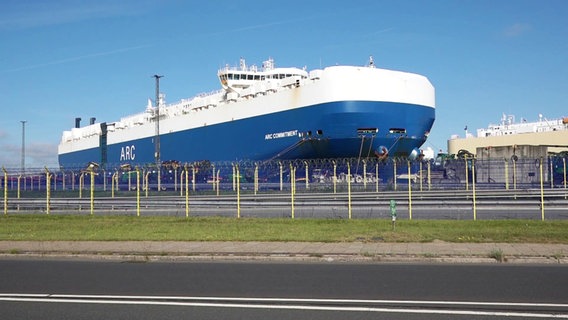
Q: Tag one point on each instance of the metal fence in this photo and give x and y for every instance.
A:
(46, 190)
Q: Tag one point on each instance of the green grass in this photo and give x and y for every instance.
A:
(120, 228)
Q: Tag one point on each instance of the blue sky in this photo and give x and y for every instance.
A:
(62, 59)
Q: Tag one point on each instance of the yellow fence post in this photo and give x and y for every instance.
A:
(564, 167)
(409, 192)
(473, 184)
(281, 176)
(137, 191)
(377, 177)
(364, 175)
(238, 192)
(514, 174)
(146, 183)
(186, 191)
(193, 177)
(218, 180)
(307, 175)
(466, 174)
(81, 184)
(292, 187)
(255, 178)
(5, 191)
(429, 177)
(112, 182)
(92, 174)
(420, 175)
(175, 177)
(506, 174)
(47, 189)
(213, 176)
(541, 190)
(349, 189)
(334, 177)
(394, 173)
(19, 178)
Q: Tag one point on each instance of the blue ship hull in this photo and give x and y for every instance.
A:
(341, 129)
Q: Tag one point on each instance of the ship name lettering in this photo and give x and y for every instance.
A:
(127, 153)
(277, 135)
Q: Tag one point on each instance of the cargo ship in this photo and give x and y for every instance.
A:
(267, 113)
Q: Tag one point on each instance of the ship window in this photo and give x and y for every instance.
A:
(257, 77)
(230, 76)
(262, 77)
(320, 131)
(250, 77)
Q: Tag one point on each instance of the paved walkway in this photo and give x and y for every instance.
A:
(437, 251)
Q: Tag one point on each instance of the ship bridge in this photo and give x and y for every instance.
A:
(237, 79)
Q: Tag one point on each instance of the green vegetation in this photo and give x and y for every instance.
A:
(120, 228)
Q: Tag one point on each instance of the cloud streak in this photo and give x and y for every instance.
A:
(25, 15)
(78, 58)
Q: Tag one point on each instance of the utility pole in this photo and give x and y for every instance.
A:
(23, 159)
(157, 136)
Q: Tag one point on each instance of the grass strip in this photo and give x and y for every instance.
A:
(122, 228)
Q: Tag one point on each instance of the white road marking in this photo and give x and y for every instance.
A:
(262, 303)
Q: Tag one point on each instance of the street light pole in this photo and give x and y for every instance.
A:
(157, 136)
(23, 159)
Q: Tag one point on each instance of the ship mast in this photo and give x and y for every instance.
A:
(157, 136)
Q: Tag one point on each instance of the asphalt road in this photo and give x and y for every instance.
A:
(73, 289)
